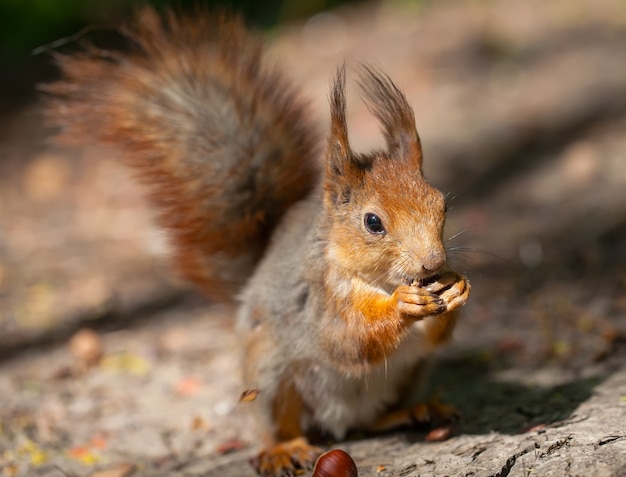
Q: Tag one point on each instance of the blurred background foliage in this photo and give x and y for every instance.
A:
(26, 25)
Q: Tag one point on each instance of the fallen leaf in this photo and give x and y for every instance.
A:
(536, 428)
(438, 434)
(232, 445)
(199, 424)
(188, 386)
(120, 470)
(126, 363)
(84, 455)
(38, 457)
(249, 395)
(35, 455)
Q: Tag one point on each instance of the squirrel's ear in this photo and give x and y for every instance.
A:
(392, 109)
(342, 167)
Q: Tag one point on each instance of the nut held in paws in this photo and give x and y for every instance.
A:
(335, 463)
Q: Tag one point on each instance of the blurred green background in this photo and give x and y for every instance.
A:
(25, 24)
(28, 24)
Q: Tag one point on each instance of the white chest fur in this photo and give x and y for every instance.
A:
(341, 403)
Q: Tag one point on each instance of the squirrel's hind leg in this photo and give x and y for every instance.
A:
(416, 410)
(421, 415)
(279, 409)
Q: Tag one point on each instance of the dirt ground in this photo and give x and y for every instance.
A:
(521, 106)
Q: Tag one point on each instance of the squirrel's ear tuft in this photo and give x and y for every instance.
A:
(343, 167)
(390, 106)
(339, 153)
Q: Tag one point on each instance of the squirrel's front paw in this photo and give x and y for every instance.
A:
(452, 288)
(418, 302)
(286, 459)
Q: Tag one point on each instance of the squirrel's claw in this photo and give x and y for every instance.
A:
(286, 459)
(418, 302)
(455, 291)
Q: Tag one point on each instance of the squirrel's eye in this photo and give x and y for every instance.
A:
(373, 224)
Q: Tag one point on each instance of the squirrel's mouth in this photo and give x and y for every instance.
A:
(422, 282)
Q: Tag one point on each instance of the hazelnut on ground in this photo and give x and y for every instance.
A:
(335, 463)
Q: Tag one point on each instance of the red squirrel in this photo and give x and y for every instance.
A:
(340, 274)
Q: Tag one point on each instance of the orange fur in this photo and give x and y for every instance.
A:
(439, 328)
(287, 411)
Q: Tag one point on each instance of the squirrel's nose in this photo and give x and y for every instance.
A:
(434, 261)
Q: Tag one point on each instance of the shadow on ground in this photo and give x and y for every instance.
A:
(489, 404)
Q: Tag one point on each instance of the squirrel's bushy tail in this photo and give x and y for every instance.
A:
(222, 141)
